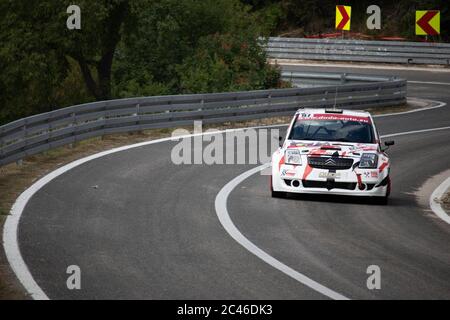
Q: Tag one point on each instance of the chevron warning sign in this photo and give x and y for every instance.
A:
(343, 17)
(428, 22)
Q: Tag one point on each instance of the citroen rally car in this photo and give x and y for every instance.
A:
(332, 152)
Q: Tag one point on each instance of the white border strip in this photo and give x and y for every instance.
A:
(413, 132)
(439, 104)
(437, 195)
(10, 240)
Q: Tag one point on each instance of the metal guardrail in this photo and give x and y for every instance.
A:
(315, 79)
(359, 51)
(49, 130)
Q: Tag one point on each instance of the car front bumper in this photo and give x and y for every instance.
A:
(369, 183)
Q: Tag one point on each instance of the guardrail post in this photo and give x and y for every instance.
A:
(74, 135)
(47, 141)
(1, 143)
(24, 129)
(102, 136)
(138, 122)
(202, 102)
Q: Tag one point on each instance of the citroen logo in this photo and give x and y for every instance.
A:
(330, 161)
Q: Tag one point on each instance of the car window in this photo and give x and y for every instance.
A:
(332, 130)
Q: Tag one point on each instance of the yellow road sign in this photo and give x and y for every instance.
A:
(428, 22)
(343, 17)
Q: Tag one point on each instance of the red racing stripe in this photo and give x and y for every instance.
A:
(358, 176)
(307, 171)
(383, 165)
(281, 163)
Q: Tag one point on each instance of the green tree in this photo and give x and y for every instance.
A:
(35, 28)
(125, 48)
(176, 46)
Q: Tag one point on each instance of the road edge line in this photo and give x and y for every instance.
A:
(228, 225)
(434, 200)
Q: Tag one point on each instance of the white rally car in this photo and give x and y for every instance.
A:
(332, 152)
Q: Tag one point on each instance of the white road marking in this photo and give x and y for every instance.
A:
(225, 220)
(436, 195)
(10, 240)
(414, 132)
(439, 104)
(227, 223)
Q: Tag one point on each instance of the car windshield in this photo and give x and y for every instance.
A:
(342, 130)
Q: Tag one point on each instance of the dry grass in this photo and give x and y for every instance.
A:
(14, 179)
(445, 201)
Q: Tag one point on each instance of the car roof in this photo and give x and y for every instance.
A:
(360, 113)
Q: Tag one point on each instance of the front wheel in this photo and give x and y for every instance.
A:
(276, 194)
(382, 201)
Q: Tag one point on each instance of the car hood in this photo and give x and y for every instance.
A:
(343, 149)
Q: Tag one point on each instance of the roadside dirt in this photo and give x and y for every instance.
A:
(445, 201)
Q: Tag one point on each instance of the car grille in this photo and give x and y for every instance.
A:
(330, 163)
(329, 185)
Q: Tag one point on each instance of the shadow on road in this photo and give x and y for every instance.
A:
(346, 199)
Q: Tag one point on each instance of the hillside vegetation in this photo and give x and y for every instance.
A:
(125, 49)
(313, 17)
(155, 47)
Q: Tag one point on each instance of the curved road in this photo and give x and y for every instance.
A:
(150, 230)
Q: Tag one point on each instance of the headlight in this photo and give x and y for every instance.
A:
(292, 156)
(369, 161)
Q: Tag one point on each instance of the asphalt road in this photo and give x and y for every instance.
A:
(150, 231)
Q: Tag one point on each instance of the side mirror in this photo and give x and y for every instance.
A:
(280, 141)
(388, 144)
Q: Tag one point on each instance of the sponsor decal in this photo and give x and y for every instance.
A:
(370, 174)
(288, 173)
(341, 117)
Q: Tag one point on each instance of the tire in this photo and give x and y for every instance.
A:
(382, 201)
(278, 194)
(389, 187)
